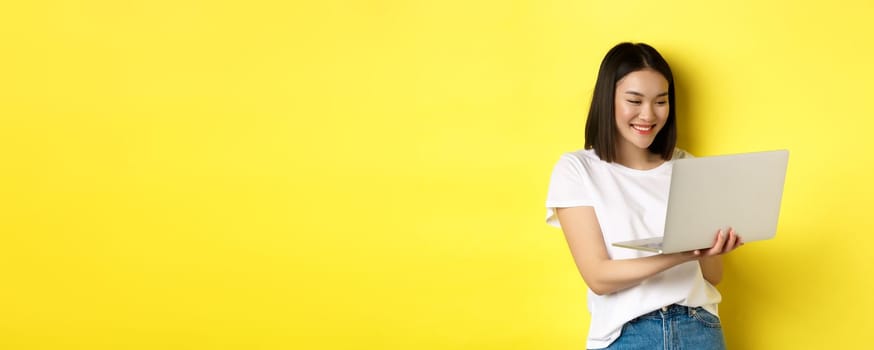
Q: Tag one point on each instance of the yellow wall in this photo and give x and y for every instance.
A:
(371, 174)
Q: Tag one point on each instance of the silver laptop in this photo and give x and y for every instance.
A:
(742, 191)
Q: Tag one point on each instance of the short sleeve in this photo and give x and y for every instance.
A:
(568, 187)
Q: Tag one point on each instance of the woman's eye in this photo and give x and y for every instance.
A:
(633, 102)
(662, 102)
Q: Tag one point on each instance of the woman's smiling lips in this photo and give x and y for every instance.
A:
(643, 129)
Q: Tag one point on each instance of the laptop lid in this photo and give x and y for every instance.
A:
(743, 191)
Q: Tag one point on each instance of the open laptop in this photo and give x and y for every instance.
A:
(742, 191)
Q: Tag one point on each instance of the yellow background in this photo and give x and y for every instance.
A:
(372, 174)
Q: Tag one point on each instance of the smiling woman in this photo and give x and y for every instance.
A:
(617, 188)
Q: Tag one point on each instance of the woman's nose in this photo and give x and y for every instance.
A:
(646, 113)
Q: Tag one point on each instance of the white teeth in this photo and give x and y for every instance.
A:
(642, 128)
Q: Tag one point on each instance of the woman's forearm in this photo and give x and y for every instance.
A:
(711, 267)
(611, 276)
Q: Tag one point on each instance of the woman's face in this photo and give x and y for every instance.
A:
(641, 105)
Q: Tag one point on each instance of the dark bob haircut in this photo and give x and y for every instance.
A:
(601, 130)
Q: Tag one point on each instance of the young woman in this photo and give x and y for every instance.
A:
(616, 190)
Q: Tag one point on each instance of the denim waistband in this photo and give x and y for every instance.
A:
(671, 310)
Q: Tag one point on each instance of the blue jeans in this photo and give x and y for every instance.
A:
(673, 327)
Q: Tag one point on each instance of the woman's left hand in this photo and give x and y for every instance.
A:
(724, 244)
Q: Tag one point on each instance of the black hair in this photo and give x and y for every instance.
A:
(601, 131)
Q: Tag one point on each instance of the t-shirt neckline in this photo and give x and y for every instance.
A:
(640, 171)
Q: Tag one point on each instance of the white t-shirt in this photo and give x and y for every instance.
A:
(629, 204)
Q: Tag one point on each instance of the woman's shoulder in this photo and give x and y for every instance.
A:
(583, 157)
(680, 153)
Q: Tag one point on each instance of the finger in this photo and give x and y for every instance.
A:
(718, 237)
(717, 246)
(739, 241)
(732, 240)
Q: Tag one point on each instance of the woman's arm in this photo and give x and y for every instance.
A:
(711, 259)
(711, 267)
(606, 276)
(603, 275)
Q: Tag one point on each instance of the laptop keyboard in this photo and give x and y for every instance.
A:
(654, 243)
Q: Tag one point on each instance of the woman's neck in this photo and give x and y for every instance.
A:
(636, 158)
